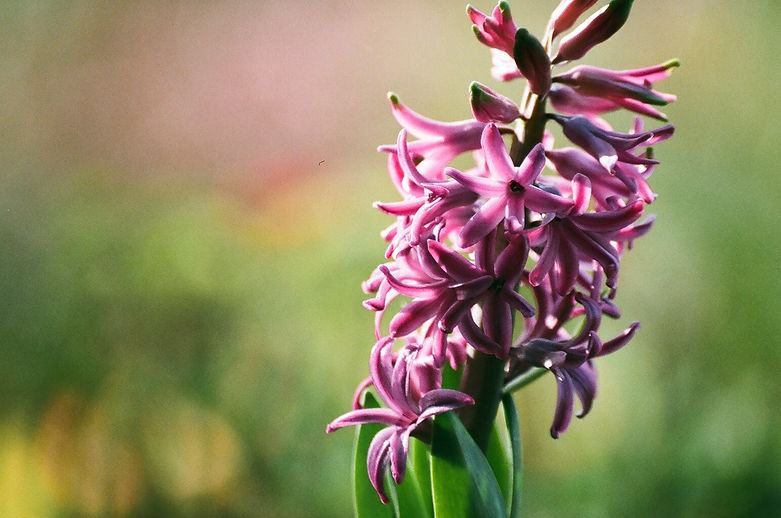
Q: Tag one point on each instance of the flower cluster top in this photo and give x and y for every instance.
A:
(503, 258)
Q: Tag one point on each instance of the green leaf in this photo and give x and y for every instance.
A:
(514, 430)
(408, 497)
(499, 456)
(420, 460)
(367, 503)
(462, 481)
(451, 379)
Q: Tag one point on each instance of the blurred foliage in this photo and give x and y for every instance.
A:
(180, 311)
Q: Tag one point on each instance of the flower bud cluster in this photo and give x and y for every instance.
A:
(504, 257)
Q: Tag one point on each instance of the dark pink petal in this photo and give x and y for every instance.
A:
(385, 416)
(609, 221)
(593, 318)
(362, 386)
(399, 446)
(456, 265)
(564, 400)
(400, 208)
(542, 201)
(473, 287)
(584, 381)
(635, 231)
(651, 74)
(399, 392)
(619, 341)
(414, 122)
(411, 290)
(381, 368)
(377, 461)
(413, 315)
(454, 314)
(532, 166)
(488, 187)
(483, 222)
(581, 193)
(660, 134)
(604, 254)
(510, 263)
(642, 108)
(547, 258)
(517, 302)
(515, 213)
(441, 400)
(568, 267)
(496, 157)
(477, 338)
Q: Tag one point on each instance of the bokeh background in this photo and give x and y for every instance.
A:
(185, 219)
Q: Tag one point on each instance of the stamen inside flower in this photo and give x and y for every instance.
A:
(515, 186)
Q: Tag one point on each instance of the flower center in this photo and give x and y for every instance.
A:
(515, 186)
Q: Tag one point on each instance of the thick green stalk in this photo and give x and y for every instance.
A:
(483, 377)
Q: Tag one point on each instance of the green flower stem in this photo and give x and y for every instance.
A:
(483, 377)
(483, 380)
(523, 380)
(533, 131)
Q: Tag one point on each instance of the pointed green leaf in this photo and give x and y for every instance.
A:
(462, 481)
(499, 456)
(367, 503)
(514, 430)
(420, 460)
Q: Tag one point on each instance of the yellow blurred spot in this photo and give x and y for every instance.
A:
(192, 451)
(22, 491)
(86, 466)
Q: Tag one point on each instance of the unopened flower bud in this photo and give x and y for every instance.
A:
(566, 14)
(532, 61)
(628, 84)
(497, 30)
(599, 27)
(489, 106)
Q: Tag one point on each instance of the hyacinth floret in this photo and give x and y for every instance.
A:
(514, 258)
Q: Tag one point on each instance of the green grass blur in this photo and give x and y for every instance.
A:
(185, 218)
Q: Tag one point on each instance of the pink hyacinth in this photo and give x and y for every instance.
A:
(509, 190)
(403, 416)
(504, 249)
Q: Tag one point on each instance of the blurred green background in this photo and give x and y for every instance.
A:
(185, 218)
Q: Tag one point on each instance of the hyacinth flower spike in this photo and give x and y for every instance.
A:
(509, 190)
(403, 416)
(477, 230)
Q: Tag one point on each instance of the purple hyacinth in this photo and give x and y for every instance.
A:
(504, 251)
(510, 190)
(404, 415)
